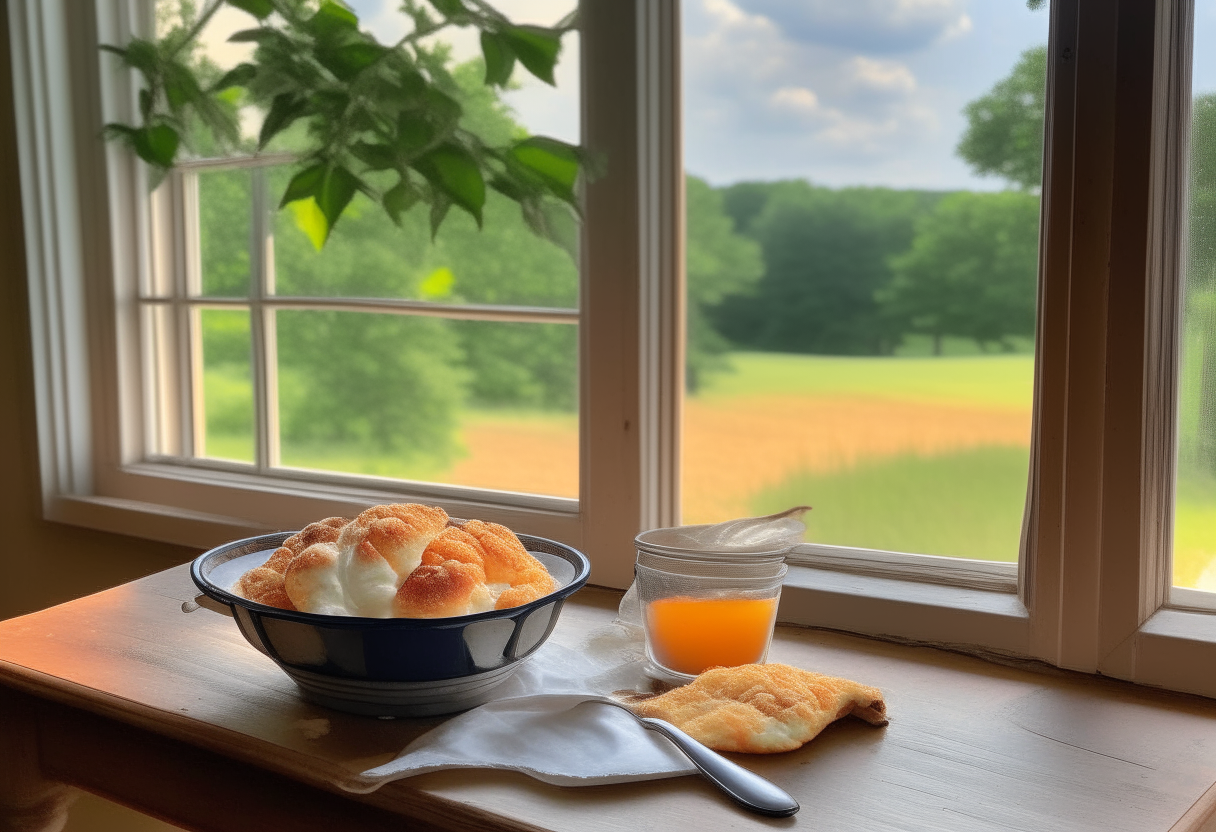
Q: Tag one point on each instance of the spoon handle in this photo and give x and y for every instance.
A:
(748, 789)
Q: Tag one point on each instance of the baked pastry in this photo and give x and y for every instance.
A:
(379, 549)
(312, 583)
(474, 568)
(265, 584)
(521, 577)
(404, 560)
(762, 708)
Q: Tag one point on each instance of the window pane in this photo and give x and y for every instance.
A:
(1195, 496)
(227, 385)
(469, 403)
(503, 262)
(862, 236)
(224, 212)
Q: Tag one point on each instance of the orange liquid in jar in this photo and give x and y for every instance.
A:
(689, 635)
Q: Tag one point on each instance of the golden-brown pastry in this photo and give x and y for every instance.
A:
(379, 549)
(508, 562)
(443, 590)
(265, 586)
(311, 581)
(264, 583)
(762, 708)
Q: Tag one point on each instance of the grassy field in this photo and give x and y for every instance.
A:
(909, 453)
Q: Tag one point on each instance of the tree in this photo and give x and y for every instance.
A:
(720, 262)
(971, 270)
(1004, 135)
(385, 121)
(825, 255)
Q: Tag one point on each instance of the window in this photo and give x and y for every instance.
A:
(1092, 589)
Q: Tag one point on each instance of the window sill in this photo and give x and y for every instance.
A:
(949, 616)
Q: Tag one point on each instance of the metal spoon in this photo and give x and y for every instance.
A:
(748, 789)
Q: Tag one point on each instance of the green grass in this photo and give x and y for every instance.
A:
(980, 380)
(1194, 529)
(967, 504)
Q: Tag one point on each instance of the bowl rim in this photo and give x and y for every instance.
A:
(580, 561)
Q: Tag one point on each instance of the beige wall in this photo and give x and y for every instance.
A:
(41, 563)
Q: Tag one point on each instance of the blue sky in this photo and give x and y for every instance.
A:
(841, 92)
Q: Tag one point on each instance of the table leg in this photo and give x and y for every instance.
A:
(28, 801)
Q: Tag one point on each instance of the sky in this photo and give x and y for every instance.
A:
(840, 92)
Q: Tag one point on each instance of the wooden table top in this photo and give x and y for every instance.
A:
(971, 745)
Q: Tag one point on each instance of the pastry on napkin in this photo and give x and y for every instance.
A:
(762, 708)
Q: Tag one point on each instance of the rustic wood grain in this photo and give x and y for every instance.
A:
(139, 701)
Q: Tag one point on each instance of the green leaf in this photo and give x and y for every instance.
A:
(399, 199)
(439, 209)
(537, 49)
(336, 191)
(304, 184)
(253, 35)
(311, 221)
(414, 134)
(555, 163)
(375, 156)
(450, 8)
(454, 172)
(442, 108)
(156, 145)
(258, 8)
(347, 61)
(512, 189)
(554, 222)
(285, 109)
(239, 76)
(332, 20)
(142, 55)
(500, 59)
(181, 88)
(438, 284)
(146, 103)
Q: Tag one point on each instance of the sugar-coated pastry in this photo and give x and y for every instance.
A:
(403, 560)
(264, 586)
(443, 590)
(379, 549)
(264, 583)
(451, 580)
(312, 581)
(762, 708)
(508, 562)
(322, 531)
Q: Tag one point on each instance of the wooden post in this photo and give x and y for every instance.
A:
(28, 801)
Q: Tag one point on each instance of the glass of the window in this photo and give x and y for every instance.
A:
(388, 352)
(862, 261)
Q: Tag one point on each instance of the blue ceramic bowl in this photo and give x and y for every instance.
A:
(392, 666)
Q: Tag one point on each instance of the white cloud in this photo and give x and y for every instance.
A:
(744, 77)
(883, 76)
(868, 25)
(795, 99)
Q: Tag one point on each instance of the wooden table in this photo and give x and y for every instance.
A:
(174, 715)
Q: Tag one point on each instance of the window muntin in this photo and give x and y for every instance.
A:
(861, 298)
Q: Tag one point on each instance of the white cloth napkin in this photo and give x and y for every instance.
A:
(546, 724)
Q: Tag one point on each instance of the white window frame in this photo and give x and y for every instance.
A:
(1092, 591)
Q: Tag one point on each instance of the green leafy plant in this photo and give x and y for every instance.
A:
(385, 120)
